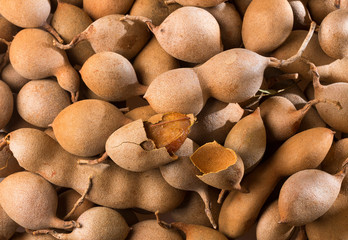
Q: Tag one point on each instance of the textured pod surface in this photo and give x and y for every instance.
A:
(106, 7)
(24, 13)
(6, 104)
(333, 37)
(307, 195)
(269, 228)
(156, 10)
(27, 52)
(230, 24)
(332, 115)
(12, 78)
(193, 232)
(124, 147)
(69, 20)
(195, 42)
(234, 75)
(177, 90)
(112, 186)
(319, 9)
(150, 230)
(30, 201)
(40, 101)
(111, 76)
(83, 127)
(242, 209)
(198, 3)
(248, 139)
(271, 21)
(100, 223)
(7, 225)
(153, 61)
(126, 37)
(215, 121)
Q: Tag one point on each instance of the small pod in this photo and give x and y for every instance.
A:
(319, 9)
(111, 76)
(221, 167)
(98, 223)
(33, 57)
(308, 194)
(150, 230)
(31, 202)
(83, 127)
(7, 225)
(268, 227)
(248, 139)
(12, 78)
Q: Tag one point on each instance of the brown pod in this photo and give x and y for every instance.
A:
(281, 118)
(12, 78)
(196, 3)
(302, 18)
(177, 90)
(185, 90)
(334, 159)
(7, 225)
(189, 34)
(67, 201)
(230, 24)
(98, 223)
(248, 139)
(8, 164)
(333, 37)
(26, 56)
(143, 113)
(83, 127)
(31, 202)
(215, 121)
(7, 31)
(111, 76)
(192, 209)
(156, 10)
(313, 53)
(193, 232)
(271, 20)
(150, 230)
(302, 151)
(319, 9)
(334, 72)
(268, 227)
(69, 20)
(107, 7)
(26, 14)
(333, 224)
(308, 194)
(181, 174)
(30, 236)
(220, 167)
(39, 153)
(334, 92)
(298, 98)
(6, 104)
(152, 61)
(109, 33)
(40, 101)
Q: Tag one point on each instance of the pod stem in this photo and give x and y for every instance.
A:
(78, 38)
(81, 199)
(274, 62)
(93, 161)
(338, 4)
(52, 31)
(74, 96)
(168, 2)
(53, 233)
(205, 197)
(344, 170)
(146, 20)
(314, 71)
(221, 195)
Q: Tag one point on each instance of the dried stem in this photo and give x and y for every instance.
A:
(93, 161)
(221, 196)
(78, 38)
(205, 197)
(167, 2)
(81, 199)
(52, 31)
(146, 20)
(274, 62)
(4, 142)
